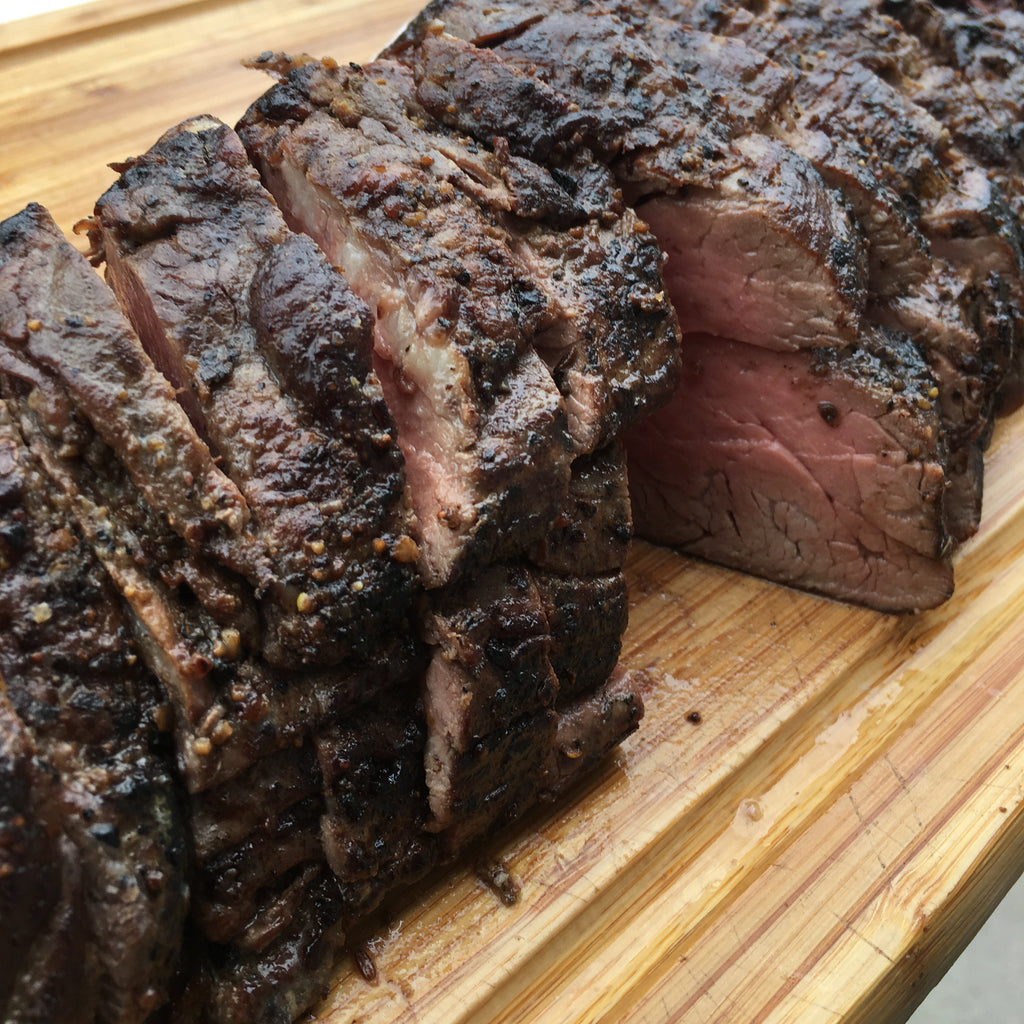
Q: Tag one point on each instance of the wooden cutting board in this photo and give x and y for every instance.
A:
(822, 805)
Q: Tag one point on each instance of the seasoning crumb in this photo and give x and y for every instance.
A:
(202, 745)
(221, 733)
(406, 550)
(42, 612)
(498, 878)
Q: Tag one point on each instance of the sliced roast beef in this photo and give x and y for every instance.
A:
(767, 210)
(856, 86)
(819, 469)
(242, 314)
(478, 414)
(57, 316)
(106, 798)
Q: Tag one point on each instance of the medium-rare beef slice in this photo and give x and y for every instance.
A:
(758, 92)
(75, 680)
(769, 209)
(819, 469)
(787, 296)
(857, 83)
(274, 352)
(856, 86)
(479, 418)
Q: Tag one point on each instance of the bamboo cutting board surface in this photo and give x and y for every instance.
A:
(822, 804)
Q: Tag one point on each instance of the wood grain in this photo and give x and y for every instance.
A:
(823, 803)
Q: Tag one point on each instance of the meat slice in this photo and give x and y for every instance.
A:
(857, 87)
(196, 624)
(769, 258)
(587, 617)
(374, 826)
(758, 92)
(487, 695)
(818, 469)
(768, 210)
(478, 415)
(279, 980)
(59, 319)
(594, 527)
(108, 806)
(273, 352)
(631, 108)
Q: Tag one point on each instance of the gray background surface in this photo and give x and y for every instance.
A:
(986, 984)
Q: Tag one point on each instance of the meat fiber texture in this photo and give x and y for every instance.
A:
(343, 697)
(815, 187)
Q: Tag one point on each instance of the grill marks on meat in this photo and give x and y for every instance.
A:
(967, 72)
(275, 353)
(85, 775)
